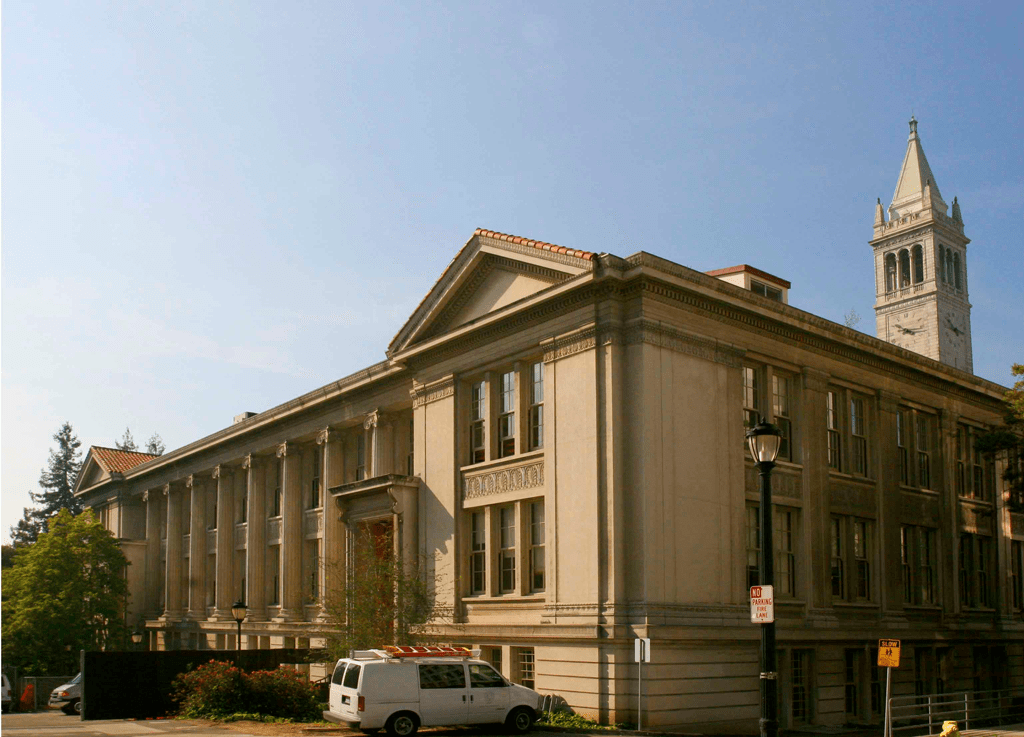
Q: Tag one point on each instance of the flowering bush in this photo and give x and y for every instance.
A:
(219, 689)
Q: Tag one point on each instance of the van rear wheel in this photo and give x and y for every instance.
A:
(519, 720)
(402, 724)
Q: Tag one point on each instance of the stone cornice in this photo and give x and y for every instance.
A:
(673, 339)
(423, 394)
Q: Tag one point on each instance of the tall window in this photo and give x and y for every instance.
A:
(753, 546)
(838, 560)
(244, 508)
(312, 571)
(314, 484)
(526, 667)
(917, 555)
(477, 415)
(751, 396)
(949, 266)
(971, 479)
(507, 552)
(978, 488)
(859, 440)
(835, 455)
(409, 468)
(890, 273)
(360, 456)
(536, 555)
(975, 567)
(852, 553)
(537, 406)
(917, 256)
(478, 555)
(851, 679)
(942, 264)
(507, 418)
(956, 271)
(784, 532)
(1017, 573)
(274, 563)
(904, 268)
(924, 452)
(275, 507)
(781, 412)
(901, 446)
(800, 672)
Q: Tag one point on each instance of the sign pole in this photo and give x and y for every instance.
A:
(640, 689)
(888, 713)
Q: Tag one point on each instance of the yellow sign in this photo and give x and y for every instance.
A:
(888, 653)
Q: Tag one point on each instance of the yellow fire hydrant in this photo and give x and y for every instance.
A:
(949, 729)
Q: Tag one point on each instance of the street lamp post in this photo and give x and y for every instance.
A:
(136, 638)
(238, 610)
(764, 440)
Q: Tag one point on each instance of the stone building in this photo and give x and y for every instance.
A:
(561, 434)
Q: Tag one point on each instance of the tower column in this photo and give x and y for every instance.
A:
(172, 569)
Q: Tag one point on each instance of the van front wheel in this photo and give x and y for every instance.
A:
(402, 724)
(520, 720)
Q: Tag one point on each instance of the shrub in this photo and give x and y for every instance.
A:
(218, 689)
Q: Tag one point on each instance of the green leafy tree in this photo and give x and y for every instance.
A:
(63, 594)
(382, 601)
(1007, 442)
(155, 445)
(59, 477)
(127, 442)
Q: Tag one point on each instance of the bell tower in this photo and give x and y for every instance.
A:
(921, 267)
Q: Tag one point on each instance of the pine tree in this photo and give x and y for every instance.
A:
(155, 445)
(27, 530)
(59, 477)
(127, 442)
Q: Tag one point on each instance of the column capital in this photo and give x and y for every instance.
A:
(166, 490)
(145, 495)
(247, 462)
(282, 449)
(191, 481)
(324, 436)
(376, 418)
(216, 471)
(814, 379)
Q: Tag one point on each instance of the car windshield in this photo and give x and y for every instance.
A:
(76, 679)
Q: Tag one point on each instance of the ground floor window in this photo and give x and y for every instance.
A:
(525, 667)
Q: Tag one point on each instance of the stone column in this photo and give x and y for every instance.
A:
(813, 438)
(379, 444)
(197, 550)
(332, 474)
(886, 466)
(172, 571)
(291, 533)
(225, 543)
(256, 540)
(152, 606)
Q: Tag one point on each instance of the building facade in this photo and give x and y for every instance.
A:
(560, 435)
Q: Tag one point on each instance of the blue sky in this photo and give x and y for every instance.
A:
(211, 208)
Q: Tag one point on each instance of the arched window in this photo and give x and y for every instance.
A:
(904, 268)
(942, 264)
(949, 266)
(917, 255)
(890, 273)
(956, 270)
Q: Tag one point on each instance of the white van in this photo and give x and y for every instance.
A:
(69, 696)
(404, 688)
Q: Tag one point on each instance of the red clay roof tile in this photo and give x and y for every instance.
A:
(113, 460)
(542, 245)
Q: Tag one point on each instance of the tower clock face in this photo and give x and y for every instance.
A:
(904, 327)
(954, 329)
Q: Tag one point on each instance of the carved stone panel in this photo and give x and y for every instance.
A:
(274, 531)
(312, 523)
(784, 484)
(918, 509)
(522, 476)
(853, 498)
(241, 536)
(975, 519)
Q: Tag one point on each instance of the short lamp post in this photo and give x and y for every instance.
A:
(136, 638)
(764, 440)
(238, 610)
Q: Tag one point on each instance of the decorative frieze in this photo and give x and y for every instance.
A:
(433, 392)
(569, 345)
(500, 480)
(786, 485)
(662, 336)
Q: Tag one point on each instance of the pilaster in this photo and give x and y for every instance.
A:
(153, 499)
(333, 474)
(379, 443)
(256, 539)
(291, 533)
(816, 492)
(949, 532)
(197, 549)
(224, 479)
(889, 500)
(172, 569)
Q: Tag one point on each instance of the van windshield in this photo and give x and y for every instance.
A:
(76, 679)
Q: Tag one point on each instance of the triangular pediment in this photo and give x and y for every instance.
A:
(92, 473)
(493, 272)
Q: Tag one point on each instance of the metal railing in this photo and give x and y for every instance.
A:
(917, 715)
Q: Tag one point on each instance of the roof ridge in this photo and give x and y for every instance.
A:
(542, 245)
(121, 450)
